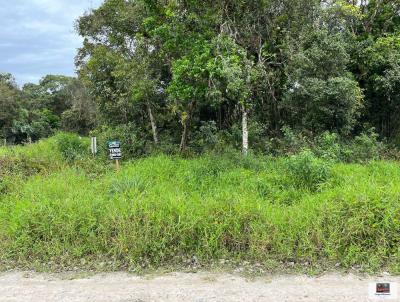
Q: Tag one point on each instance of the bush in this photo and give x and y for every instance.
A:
(71, 146)
(133, 144)
(291, 142)
(306, 171)
(207, 136)
(329, 147)
(365, 147)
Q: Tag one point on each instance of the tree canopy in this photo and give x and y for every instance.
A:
(38, 110)
(197, 73)
(309, 65)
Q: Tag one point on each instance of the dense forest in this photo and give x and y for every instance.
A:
(178, 75)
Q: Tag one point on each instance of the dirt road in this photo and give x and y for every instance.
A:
(197, 287)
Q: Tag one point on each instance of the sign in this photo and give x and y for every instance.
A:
(114, 148)
(93, 146)
(383, 291)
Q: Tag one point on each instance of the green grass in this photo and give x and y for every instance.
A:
(161, 210)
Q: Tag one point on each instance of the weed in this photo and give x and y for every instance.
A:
(162, 210)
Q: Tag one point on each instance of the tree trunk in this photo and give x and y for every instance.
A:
(186, 126)
(245, 131)
(153, 124)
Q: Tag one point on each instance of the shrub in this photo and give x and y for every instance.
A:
(127, 184)
(291, 142)
(332, 147)
(306, 171)
(133, 143)
(365, 147)
(206, 138)
(329, 147)
(71, 146)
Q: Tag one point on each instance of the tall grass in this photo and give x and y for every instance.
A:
(163, 209)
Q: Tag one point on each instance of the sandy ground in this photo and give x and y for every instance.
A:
(198, 287)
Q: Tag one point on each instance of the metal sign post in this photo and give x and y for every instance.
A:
(114, 148)
(94, 146)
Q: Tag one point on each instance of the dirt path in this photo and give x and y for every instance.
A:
(198, 287)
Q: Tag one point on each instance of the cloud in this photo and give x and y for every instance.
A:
(49, 6)
(37, 37)
(44, 26)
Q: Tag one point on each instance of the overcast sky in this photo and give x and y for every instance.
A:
(37, 37)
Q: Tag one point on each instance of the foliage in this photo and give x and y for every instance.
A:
(163, 210)
(129, 136)
(71, 146)
(301, 65)
(366, 147)
(164, 69)
(81, 116)
(9, 96)
(321, 93)
(330, 146)
(307, 171)
(379, 60)
(39, 110)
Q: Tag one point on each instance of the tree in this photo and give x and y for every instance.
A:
(36, 110)
(31, 125)
(189, 85)
(81, 116)
(54, 88)
(380, 78)
(9, 102)
(233, 76)
(120, 62)
(170, 67)
(321, 94)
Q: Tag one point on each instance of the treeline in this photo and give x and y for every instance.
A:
(199, 73)
(195, 75)
(39, 110)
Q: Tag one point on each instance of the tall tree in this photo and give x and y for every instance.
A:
(10, 98)
(321, 92)
(120, 62)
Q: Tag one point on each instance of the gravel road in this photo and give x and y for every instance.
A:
(197, 287)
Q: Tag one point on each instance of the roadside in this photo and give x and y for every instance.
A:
(197, 287)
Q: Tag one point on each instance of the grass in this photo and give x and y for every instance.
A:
(164, 210)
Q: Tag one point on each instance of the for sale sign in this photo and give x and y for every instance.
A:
(114, 148)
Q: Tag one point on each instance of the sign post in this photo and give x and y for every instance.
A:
(114, 148)
(94, 146)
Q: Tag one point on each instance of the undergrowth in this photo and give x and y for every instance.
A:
(162, 209)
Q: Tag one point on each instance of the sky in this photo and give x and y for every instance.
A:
(37, 37)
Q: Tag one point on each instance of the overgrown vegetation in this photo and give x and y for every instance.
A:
(308, 90)
(194, 76)
(165, 209)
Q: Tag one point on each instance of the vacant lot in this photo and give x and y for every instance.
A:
(59, 210)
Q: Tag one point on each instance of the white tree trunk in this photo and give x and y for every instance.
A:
(245, 131)
(153, 124)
